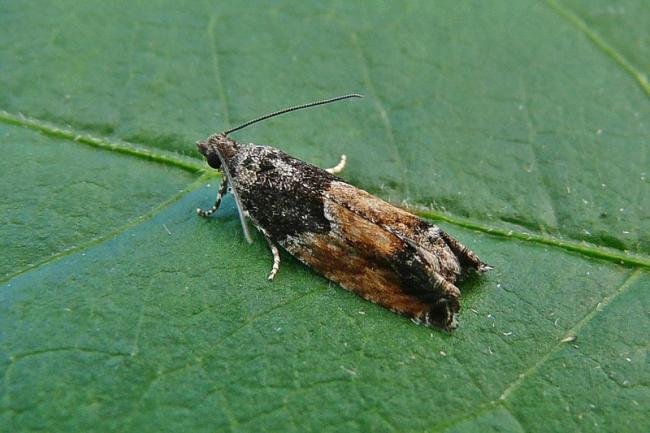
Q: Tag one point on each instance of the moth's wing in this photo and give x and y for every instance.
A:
(448, 256)
(378, 265)
(298, 206)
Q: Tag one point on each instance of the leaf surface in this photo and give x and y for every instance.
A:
(521, 126)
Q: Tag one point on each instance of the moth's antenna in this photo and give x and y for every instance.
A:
(286, 110)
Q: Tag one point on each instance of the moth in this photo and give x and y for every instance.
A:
(366, 245)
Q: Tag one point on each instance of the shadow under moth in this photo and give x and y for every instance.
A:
(368, 246)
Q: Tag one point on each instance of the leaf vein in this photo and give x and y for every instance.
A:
(85, 245)
(600, 43)
(510, 388)
(571, 332)
(379, 106)
(590, 250)
(532, 133)
(217, 70)
(190, 164)
(195, 166)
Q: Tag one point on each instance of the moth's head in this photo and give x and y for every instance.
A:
(216, 148)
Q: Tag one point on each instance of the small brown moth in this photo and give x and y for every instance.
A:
(368, 246)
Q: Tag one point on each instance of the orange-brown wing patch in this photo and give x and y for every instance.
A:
(422, 235)
(376, 264)
(373, 208)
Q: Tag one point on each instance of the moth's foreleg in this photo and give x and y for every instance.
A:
(464, 254)
(338, 167)
(222, 191)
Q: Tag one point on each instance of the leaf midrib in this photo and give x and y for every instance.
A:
(199, 167)
(174, 159)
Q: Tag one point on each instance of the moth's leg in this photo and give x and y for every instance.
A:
(464, 253)
(338, 167)
(274, 251)
(222, 191)
(276, 259)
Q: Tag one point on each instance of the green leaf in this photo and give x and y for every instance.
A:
(520, 126)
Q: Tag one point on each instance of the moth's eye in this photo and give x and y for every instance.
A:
(213, 161)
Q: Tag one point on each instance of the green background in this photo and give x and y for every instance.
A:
(521, 127)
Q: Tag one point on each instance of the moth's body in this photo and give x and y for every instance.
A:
(359, 241)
